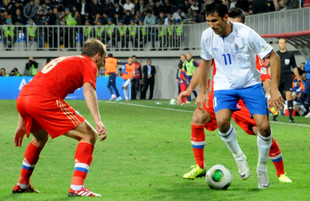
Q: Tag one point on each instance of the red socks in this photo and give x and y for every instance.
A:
(198, 144)
(31, 158)
(275, 155)
(83, 159)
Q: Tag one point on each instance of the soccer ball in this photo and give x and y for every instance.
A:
(173, 102)
(219, 177)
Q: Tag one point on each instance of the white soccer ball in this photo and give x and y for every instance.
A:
(173, 102)
(219, 177)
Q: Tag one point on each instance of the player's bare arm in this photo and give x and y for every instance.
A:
(192, 85)
(20, 132)
(204, 75)
(92, 104)
(276, 99)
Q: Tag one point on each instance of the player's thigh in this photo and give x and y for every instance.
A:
(254, 99)
(83, 132)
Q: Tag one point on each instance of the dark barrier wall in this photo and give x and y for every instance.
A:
(11, 86)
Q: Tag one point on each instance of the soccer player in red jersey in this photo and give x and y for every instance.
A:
(43, 112)
(242, 117)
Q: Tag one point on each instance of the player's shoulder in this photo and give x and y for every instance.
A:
(207, 33)
(242, 29)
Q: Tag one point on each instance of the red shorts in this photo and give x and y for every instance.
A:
(243, 118)
(52, 114)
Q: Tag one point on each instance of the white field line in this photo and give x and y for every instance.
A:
(179, 110)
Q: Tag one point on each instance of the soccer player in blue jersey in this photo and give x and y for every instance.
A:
(234, 48)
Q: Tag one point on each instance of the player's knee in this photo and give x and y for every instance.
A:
(223, 125)
(200, 118)
(264, 129)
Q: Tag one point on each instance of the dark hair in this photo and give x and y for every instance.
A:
(93, 46)
(283, 39)
(110, 55)
(236, 13)
(216, 6)
(180, 65)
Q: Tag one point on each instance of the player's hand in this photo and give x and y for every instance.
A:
(101, 130)
(19, 135)
(183, 94)
(276, 100)
(201, 98)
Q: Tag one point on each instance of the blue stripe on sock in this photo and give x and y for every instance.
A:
(228, 133)
(277, 160)
(28, 168)
(81, 169)
(198, 146)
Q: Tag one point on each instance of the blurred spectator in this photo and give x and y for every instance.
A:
(110, 30)
(186, 6)
(17, 5)
(195, 20)
(169, 17)
(18, 18)
(116, 18)
(109, 8)
(99, 30)
(161, 34)
(157, 8)
(291, 4)
(178, 15)
(119, 10)
(150, 5)
(170, 34)
(143, 34)
(161, 17)
(129, 6)
(51, 17)
(270, 6)
(30, 10)
(195, 5)
(167, 7)
(189, 13)
(95, 8)
(83, 7)
(259, 6)
(173, 7)
(104, 19)
(42, 30)
(137, 17)
(122, 34)
(244, 5)
(127, 17)
(9, 36)
(133, 32)
(149, 19)
(3, 73)
(178, 33)
(31, 30)
(6, 6)
(140, 6)
(70, 30)
(31, 68)
(58, 16)
(89, 17)
(17, 73)
(12, 73)
(278, 4)
(43, 7)
(88, 31)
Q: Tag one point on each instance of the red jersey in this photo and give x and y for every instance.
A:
(137, 71)
(261, 67)
(62, 76)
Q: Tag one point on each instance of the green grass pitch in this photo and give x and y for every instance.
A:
(146, 153)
